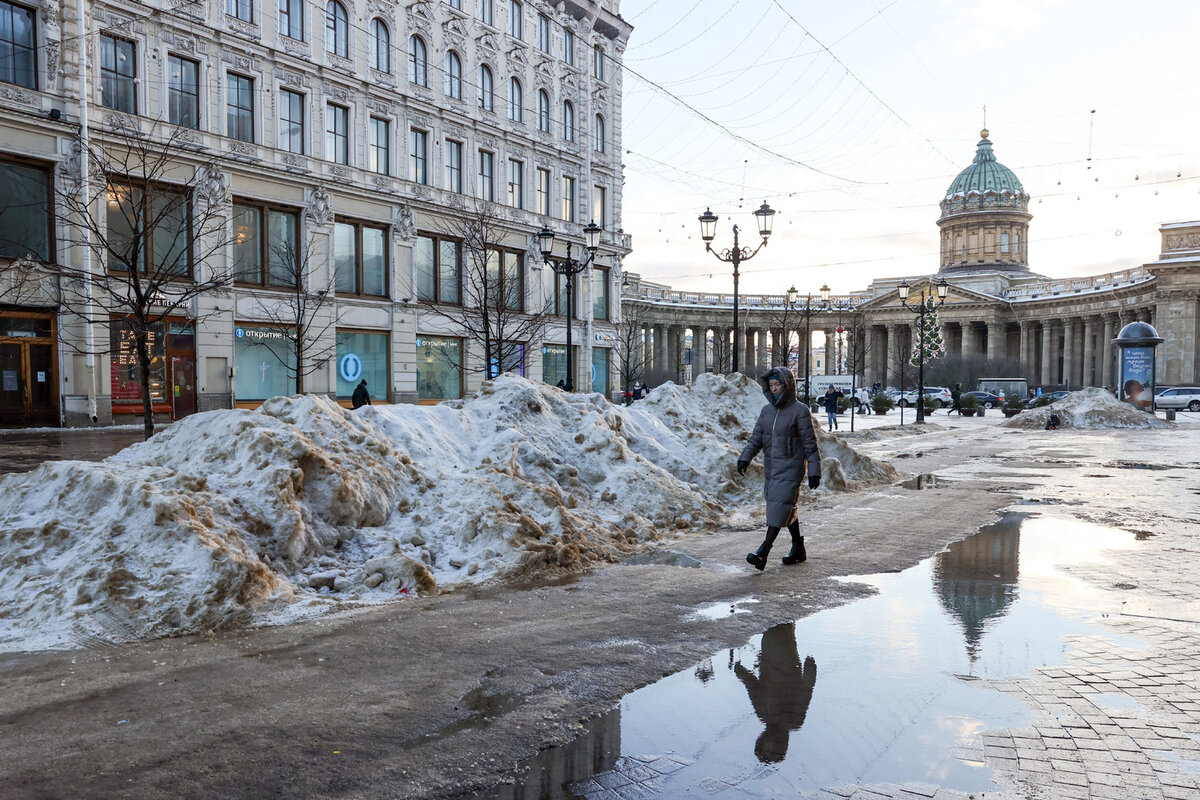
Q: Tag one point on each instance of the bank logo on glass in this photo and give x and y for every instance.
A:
(350, 366)
(238, 332)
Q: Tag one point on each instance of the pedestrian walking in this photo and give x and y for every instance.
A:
(956, 400)
(784, 433)
(864, 400)
(361, 396)
(830, 401)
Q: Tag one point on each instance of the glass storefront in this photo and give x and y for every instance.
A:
(363, 356)
(514, 360)
(265, 363)
(439, 368)
(125, 372)
(554, 364)
(600, 370)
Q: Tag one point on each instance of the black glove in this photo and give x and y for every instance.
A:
(814, 481)
(742, 465)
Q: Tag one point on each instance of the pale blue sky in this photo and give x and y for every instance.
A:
(869, 116)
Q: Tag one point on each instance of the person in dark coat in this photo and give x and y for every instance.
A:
(780, 692)
(830, 401)
(361, 396)
(955, 400)
(784, 433)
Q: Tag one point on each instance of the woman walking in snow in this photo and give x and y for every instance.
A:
(784, 433)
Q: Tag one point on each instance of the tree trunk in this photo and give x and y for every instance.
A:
(143, 355)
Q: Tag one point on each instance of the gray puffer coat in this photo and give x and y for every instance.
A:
(784, 433)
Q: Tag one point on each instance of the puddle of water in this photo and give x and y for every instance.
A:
(892, 688)
(722, 610)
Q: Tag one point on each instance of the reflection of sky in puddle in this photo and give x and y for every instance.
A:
(723, 609)
(885, 689)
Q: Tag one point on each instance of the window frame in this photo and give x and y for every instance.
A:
(490, 175)
(264, 209)
(454, 80)
(238, 7)
(516, 168)
(115, 76)
(374, 148)
(31, 47)
(48, 169)
(516, 14)
(598, 56)
(607, 273)
(516, 100)
(335, 112)
(157, 189)
(290, 19)
(380, 46)
(418, 63)
(179, 90)
(502, 272)
(600, 201)
(569, 199)
(568, 126)
(598, 128)
(486, 12)
(438, 241)
(359, 226)
(543, 33)
(230, 107)
(545, 123)
(487, 88)
(418, 161)
(454, 171)
(568, 53)
(337, 29)
(286, 122)
(543, 191)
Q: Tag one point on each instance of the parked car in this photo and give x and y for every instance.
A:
(905, 399)
(987, 399)
(1179, 398)
(1049, 397)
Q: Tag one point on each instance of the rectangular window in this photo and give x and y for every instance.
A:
(599, 278)
(18, 45)
(439, 368)
(543, 33)
(371, 351)
(239, 91)
(183, 92)
(568, 199)
(516, 183)
(1004, 243)
(514, 19)
(291, 121)
(291, 19)
(148, 230)
(487, 176)
(381, 146)
(25, 224)
(599, 206)
(118, 72)
(600, 370)
(514, 280)
(418, 150)
(242, 9)
(454, 172)
(337, 138)
(554, 364)
(360, 259)
(598, 63)
(485, 12)
(266, 245)
(456, 4)
(543, 191)
(126, 374)
(568, 47)
(266, 362)
(511, 359)
(439, 269)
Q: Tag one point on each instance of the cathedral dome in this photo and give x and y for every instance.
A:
(985, 174)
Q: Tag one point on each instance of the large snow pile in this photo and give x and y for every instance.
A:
(236, 516)
(1087, 409)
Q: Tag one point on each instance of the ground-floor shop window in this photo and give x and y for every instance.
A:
(264, 361)
(362, 356)
(511, 359)
(554, 364)
(126, 373)
(600, 370)
(439, 368)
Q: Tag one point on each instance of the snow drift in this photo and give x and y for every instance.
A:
(229, 517)
(1087, 409)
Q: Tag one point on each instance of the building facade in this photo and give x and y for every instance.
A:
(344, 149)
(1053, 332)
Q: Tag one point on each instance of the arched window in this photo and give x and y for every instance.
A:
(381, 46)
(598, 134)
(543, 111)
(418, 64)
(453, 75)
(487, 88)
(568, 121)
(514, 101)
(337, 29)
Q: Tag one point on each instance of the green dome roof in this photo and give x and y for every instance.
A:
(985, 174)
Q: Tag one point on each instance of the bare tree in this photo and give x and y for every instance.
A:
(156, 248)
(492, 307)
(630, 347)
(302, 312)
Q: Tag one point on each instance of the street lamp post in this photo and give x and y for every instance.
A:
(736, 255)
(922, 308)
(569, 268)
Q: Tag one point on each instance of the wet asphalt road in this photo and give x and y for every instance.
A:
(22, 451)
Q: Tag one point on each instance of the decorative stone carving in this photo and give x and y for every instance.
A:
(238, 61)
(70, 170)
(455, 31)
(384, 183)
(487, 43)
(533, 251)
(339, 171)
(337, 92)
(178, 41)
(339, 63)
(405, 225)
(292, 160)
(52, 51)
(15, 95)
(243, 148)
(1186, 241)
(318, 207)
(287, 78)
(211, 185)
(296, 48)
(242, 28)
(378, 106)
(381, 7)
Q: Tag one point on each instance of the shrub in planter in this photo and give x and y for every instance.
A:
(881, 403)
(845, 402)
(932, 403)
(1013, 404)
(969, 402)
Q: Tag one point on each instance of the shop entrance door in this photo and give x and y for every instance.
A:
(27, 383)
(183, 386)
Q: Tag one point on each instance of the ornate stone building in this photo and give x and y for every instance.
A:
(360, 134)
(1057, 332)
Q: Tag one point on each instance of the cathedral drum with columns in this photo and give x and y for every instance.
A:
(1053, 332)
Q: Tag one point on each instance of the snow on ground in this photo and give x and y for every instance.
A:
(1087, 409)
(231, 517)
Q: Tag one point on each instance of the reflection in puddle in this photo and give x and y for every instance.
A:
(904, 690)
(722, 609)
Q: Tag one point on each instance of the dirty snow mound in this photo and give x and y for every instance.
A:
(1087, 409)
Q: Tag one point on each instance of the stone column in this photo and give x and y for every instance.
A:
(996, 344)
(893, 355)
(1108, 354)
(660, 351)
(1069, 361)
(1025, 350)
(763, 360)
(1049, 353)
(1090, 374)
(699, 352)
(970, 345)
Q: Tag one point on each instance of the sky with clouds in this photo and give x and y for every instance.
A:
(852, 118)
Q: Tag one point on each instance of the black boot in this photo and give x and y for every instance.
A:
(797, 555)
(759, 557)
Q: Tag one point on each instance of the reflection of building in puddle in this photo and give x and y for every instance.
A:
(976, 579)
(780, 692)
(550, 772)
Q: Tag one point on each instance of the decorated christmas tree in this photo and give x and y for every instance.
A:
(928, 340)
